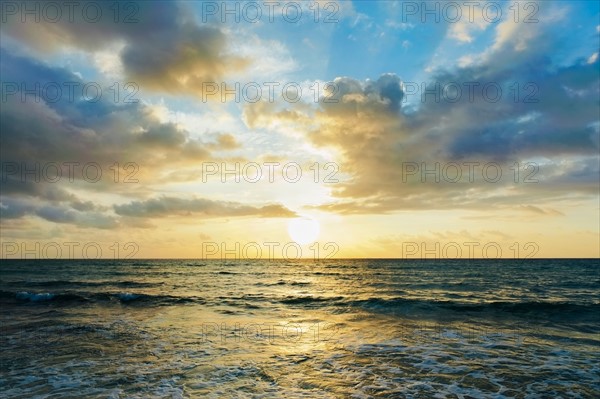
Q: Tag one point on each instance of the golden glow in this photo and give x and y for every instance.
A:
(304, 230)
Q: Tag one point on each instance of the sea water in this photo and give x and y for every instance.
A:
(300, 329)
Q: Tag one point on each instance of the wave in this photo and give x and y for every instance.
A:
(26, 296)
(72, 283)
(67, 298)
(393, 305)
(522, 309)
(283, 282)
(409, 305)
(304, 300)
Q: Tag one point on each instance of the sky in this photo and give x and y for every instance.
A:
(353, 129)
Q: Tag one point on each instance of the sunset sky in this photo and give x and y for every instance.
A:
(413, 137)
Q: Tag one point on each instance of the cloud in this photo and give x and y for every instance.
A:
(71, 133)
(82, 216)
(172, 206)
(540, 211)
(15, 184)
(161, 45)
(522, 39)
(552, 122)
(10, 209)
(463, 30)
(225, 142)
(79, 130)
(259, 115)
(388, 89)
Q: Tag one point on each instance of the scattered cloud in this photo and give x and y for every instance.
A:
(170, 206)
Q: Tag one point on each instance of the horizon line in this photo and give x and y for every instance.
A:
(302, 259)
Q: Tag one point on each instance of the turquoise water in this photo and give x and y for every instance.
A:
(300, 329)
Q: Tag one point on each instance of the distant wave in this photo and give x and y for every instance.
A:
(73, 283)
(516, 307)
(67, 298)
(311, 299)
(522, 310)
(26, 296)
(394, 306)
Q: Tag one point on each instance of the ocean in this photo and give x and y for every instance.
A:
(300, 329)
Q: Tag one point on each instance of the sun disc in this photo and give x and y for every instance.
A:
(303, 230)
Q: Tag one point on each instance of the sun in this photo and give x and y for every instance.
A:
(303, 230)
